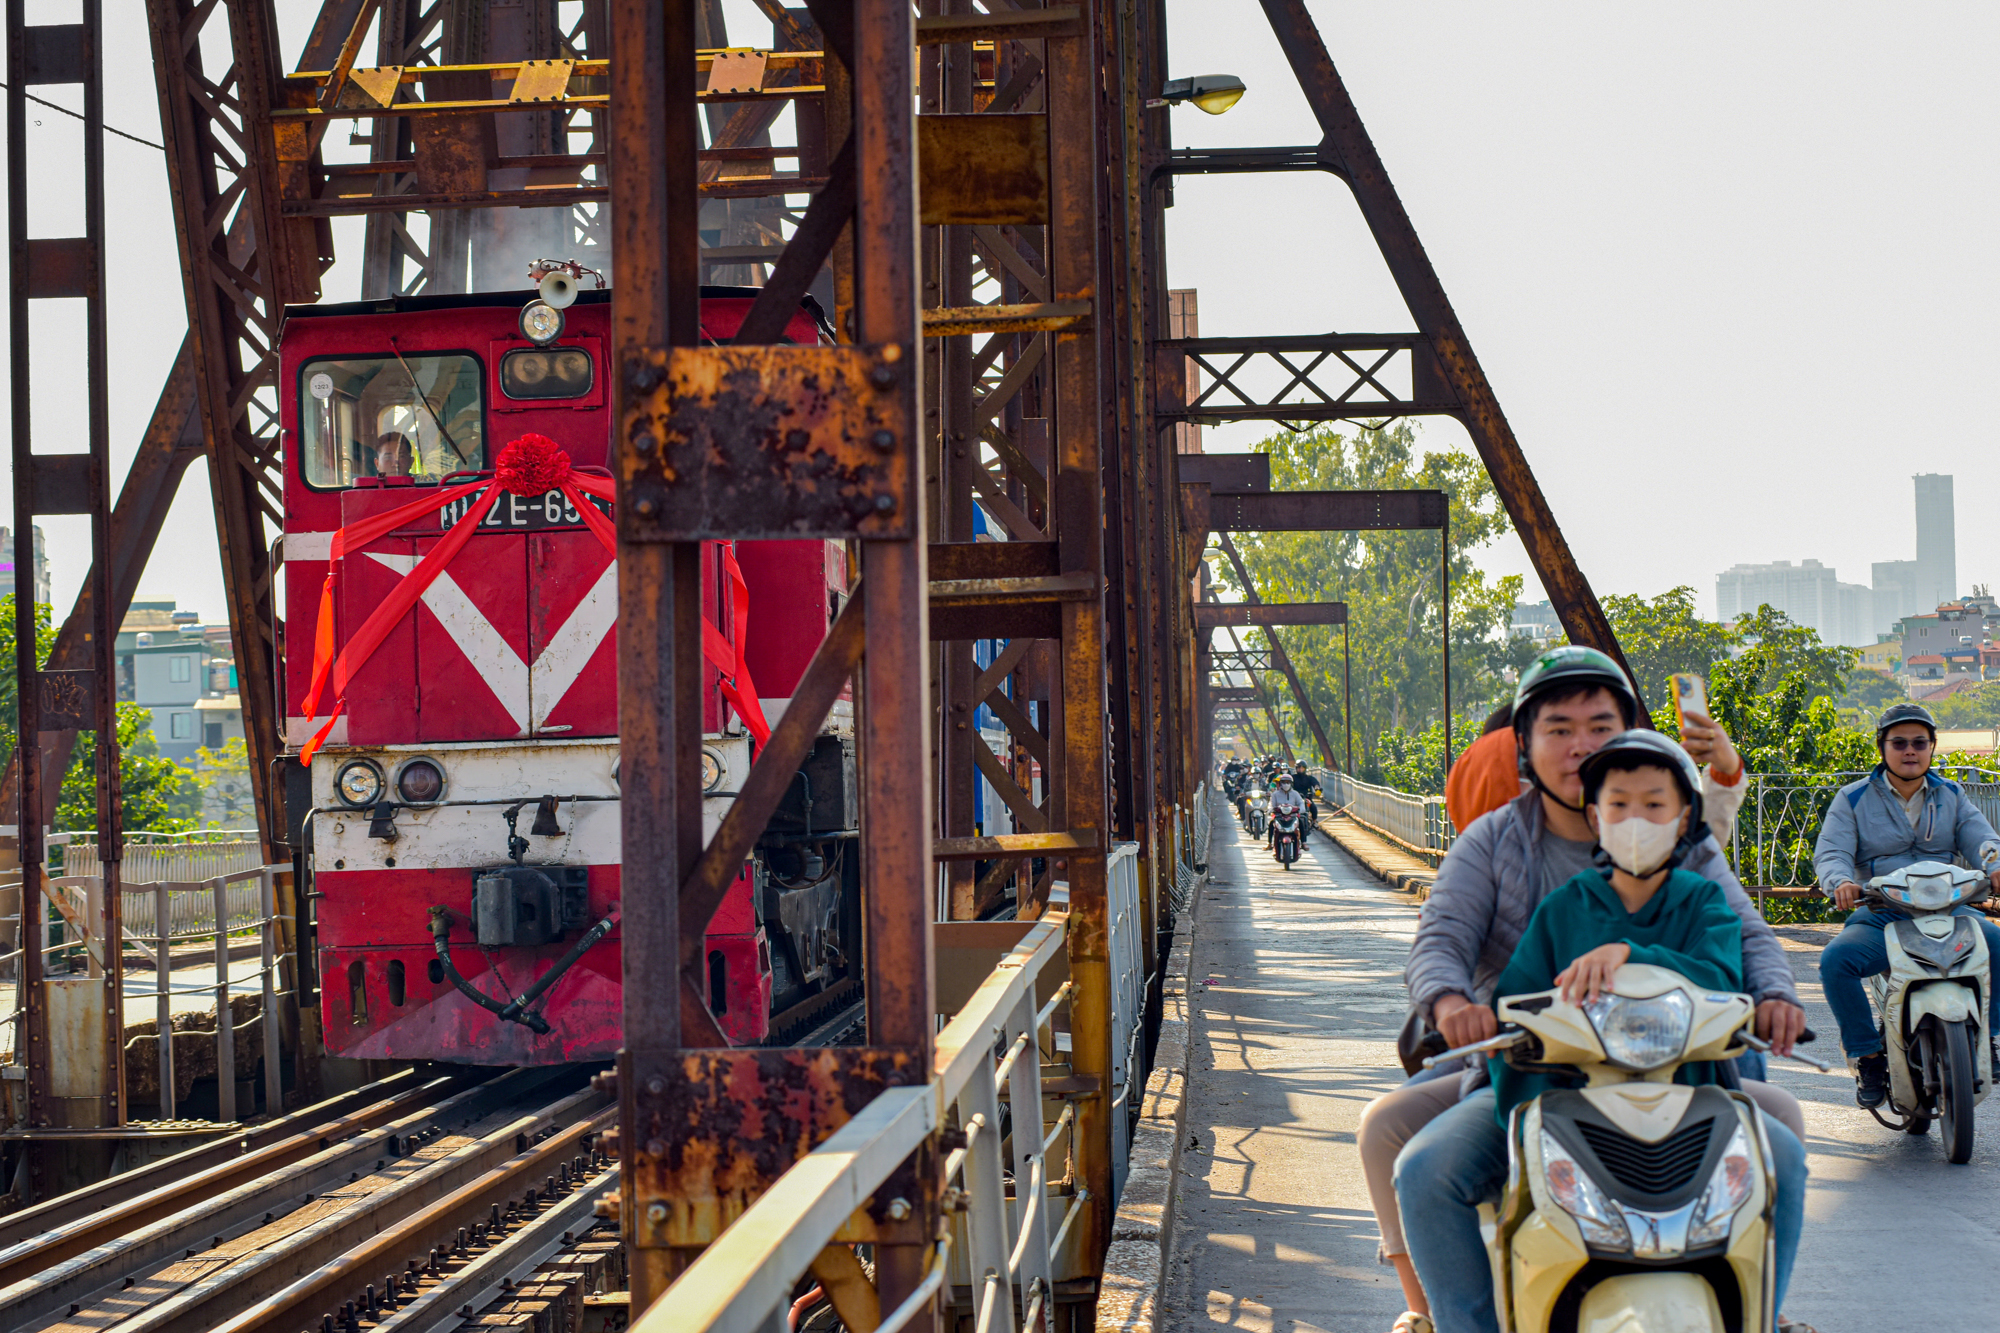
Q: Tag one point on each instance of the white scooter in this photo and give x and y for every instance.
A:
(1634, 1203)
(1933, 1001)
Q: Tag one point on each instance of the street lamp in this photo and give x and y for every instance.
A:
(1213, 93)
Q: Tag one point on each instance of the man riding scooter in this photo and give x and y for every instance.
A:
(1898, 815)
(1307, 786)
(1284, 799)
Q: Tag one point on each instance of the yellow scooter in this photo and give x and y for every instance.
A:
(1633, 1204)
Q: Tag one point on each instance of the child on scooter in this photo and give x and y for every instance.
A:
(1642, 795)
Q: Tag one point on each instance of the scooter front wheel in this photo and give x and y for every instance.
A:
(1955, 1120)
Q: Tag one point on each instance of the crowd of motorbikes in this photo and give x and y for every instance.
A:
(1274, 801)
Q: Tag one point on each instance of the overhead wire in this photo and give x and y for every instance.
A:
(78, 115)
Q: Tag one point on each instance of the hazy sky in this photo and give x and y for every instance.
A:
(1690, 244)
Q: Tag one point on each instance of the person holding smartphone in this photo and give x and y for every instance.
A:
(1898, 815)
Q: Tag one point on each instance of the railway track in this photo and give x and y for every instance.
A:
(433, 1202)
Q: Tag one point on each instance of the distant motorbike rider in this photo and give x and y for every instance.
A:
(1899, 814)
(1306, 785)
(1285, 799)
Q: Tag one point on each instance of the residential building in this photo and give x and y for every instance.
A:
(1953, 627)
(40, 581)
(1808, 592)
(1937, 540)
(172, 666)
(1886, 654)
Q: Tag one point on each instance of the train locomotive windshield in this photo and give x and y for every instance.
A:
(417, 416)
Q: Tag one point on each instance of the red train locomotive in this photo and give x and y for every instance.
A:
(450, 687)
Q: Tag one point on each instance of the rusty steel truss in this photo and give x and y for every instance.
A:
(986, 190)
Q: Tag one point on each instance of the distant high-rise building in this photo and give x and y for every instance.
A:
(1937, 541)
(1808, 592)
(9, 580)
(1896, 593)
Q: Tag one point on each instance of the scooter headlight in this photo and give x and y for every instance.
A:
(1929, 892)
(1577, 1194)
(1642, 1034)
(1726, 1192)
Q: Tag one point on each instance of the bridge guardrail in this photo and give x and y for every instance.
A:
(1009, 1251)
(1418, 824)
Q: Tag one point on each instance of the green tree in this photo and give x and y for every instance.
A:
(45, 642)
(1977, 707)
(1390, 582)
(1870, 691)
(1663, 636)
(222, 779)
(158, 794)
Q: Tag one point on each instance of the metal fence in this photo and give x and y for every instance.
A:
(1006, 1249)
(181, 857)
(1781, 814)
(1418, 824)
(179, 914)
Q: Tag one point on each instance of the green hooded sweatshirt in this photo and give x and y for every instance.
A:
(1687, 925)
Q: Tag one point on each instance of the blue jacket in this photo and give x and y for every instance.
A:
(1490, 885)
(1866, 832)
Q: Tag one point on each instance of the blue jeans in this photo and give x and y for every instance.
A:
(1459, 1161)
(1860, 951)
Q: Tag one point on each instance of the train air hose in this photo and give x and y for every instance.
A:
(517, 1011)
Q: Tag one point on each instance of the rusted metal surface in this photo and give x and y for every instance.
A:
(1013, 844)
(1210, 615)
(984, 168)
(1348, 150)
(1041, 316)
(1326, 511)
(716, 1130)
(750, 442)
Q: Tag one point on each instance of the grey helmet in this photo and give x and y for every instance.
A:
(1904, 712)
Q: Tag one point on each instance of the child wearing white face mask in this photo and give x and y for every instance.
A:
(1642, 795)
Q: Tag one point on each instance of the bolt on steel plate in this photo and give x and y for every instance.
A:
(769, 442)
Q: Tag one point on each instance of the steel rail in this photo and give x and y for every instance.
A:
(124, 1255)
(508, 1263)
(354, 1264)
(82, 1219)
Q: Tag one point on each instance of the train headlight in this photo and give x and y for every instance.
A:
(359, 783)
(420, 782)
(541, 322)
(712, 770)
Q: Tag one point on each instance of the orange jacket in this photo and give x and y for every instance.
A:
(1484, 778)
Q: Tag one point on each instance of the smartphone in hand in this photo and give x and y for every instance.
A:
(1690, 696)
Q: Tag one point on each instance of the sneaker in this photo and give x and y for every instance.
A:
(1411, 1322)
(1871, 1081)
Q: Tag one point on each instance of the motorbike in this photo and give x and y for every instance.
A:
(1933, 1001)
(1285, 836)
(1254, 801)
(1633, 1202)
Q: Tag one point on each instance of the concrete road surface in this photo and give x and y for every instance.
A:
(1298, 977)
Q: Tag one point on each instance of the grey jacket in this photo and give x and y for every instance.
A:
(1491, 883)
(1866, 831)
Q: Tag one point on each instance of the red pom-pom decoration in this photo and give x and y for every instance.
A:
(531, 465)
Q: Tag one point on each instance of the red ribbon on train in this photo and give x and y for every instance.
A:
(531, 465)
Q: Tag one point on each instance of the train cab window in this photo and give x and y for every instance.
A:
(546, 372)
(415, 416)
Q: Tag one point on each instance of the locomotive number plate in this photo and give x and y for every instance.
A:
(522, 513)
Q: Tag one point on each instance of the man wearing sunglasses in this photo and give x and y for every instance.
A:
(1899, 814)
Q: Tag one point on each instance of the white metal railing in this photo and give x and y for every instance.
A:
(1419, 823)
(181, 913)
(177, 856)
(744, 1281)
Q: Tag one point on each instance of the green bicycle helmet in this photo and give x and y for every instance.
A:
(1566, 669)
